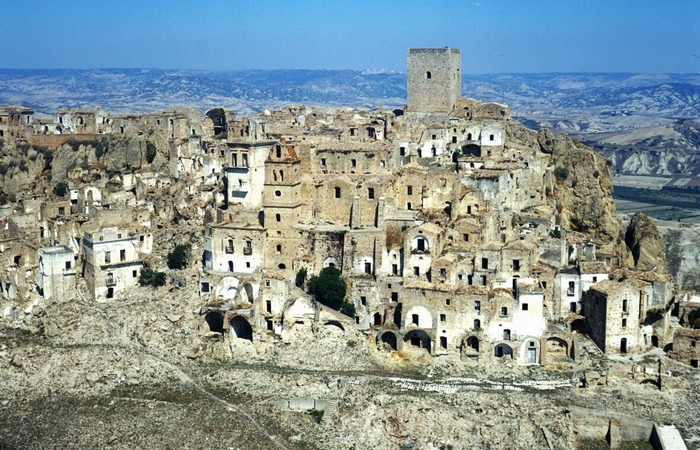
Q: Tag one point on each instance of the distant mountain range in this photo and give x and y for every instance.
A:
(144, 90)
(644, 122)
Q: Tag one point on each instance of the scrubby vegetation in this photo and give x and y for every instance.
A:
(177, 259)
(61, 189)
(329, 289)
(151, 278)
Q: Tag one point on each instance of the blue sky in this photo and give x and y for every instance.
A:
(495, 36)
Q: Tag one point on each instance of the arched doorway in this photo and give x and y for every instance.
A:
(215, 320)
(377, 319)
(501, 350)
(557, 349)
(241, 328)
(418, 339)
(388, 340)
(530, 352)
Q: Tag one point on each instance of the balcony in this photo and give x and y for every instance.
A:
(248, 251)
(228, 249)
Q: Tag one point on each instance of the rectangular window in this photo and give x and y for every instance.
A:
(414, 319)
(395, 269)
(465, 237)
(61, 210)
(572, 307)
(516, 264)
(624, 305)
(416, 271)
(483, 280)
(68, 264)
(337, 192)
(234, 160)
(395, 297)
(484, 263)
(353, 162)
(323, 162)
(409, 190)
(570, 290)
(244, 157)
(134, 273)
(268, 306)
(443, 341)
(477, 305)
(402, 151)
(624, 323)
(443, 318)
(504, 311)
(368, 267)
(370, 193)
(363, 301)
(525, 306)
(448, 301)
(122, 255)
(108, 258)
(443, 273)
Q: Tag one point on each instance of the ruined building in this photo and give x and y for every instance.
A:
(446, 219)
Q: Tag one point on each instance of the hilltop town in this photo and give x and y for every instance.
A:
(468, 244)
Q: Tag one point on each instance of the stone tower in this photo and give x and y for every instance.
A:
(434, 79)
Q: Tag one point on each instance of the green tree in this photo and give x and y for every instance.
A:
(61, 189)
(301, 277)
(561, 173)
(151, 278)
(328, 287)
(151, 151)
(178, 258)
(694, 318)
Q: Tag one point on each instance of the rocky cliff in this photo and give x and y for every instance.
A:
(645, 242)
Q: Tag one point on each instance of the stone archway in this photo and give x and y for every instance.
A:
(502, 349)
(241, 328)
(215, 320)
(417, 339)
(388, 340)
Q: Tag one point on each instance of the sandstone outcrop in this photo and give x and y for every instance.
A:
(583, 190)
(645, 242)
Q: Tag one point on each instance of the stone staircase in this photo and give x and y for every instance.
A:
(331, 412)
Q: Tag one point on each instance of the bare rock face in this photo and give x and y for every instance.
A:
(583, 190)
(646, 244)
(546, 140)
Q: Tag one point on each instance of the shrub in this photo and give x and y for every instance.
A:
(151, 151)
(178, 258)
(301, 277)
(328, 288)
(61, 189)
(152, 278)
(221, 136)
(561, 173)
(694, 318)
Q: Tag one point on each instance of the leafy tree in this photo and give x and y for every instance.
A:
(151, 278)
(561, 173)
(328, 288)
(694, 318)
(301, 277)
(178, 258)
(61, 189)
(151, 151)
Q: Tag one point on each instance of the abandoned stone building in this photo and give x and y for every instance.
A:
(110, 262)
(441, 220)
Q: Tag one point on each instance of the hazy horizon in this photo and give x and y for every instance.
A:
(496, 37)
